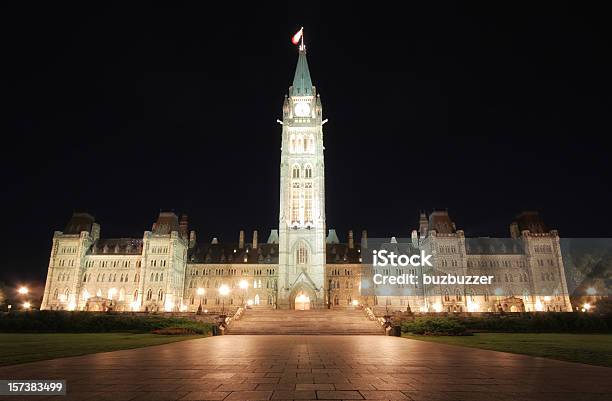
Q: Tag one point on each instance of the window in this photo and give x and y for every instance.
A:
(296, 172)
(302, 254)
(295, 204)
(308, 203)
(149, 294)
(308, 172)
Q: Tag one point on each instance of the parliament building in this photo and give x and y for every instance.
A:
(300, 265)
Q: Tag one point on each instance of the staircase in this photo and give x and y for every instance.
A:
(310, 322)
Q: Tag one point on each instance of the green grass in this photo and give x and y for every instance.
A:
(592, 349)
(21, 348)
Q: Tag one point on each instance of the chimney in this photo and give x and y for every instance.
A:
(184, 226)
(255, 239)
(192, 239)
(351, 241)
(241, 240)
(364, 239)
(514, 230)
(423, 225)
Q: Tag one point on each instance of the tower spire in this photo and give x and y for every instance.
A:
(302, 84)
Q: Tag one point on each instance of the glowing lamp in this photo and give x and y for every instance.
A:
(224, 290)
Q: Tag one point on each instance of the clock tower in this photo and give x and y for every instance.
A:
(301, 220)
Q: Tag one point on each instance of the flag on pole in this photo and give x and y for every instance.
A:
(296, 38)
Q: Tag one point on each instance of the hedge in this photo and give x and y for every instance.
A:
(435, 326)
(538, 322)
(87, 322)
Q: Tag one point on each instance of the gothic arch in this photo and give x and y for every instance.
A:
(302, 288)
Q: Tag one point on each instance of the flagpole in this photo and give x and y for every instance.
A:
(302, 47)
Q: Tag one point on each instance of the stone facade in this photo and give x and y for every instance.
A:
(301, 265)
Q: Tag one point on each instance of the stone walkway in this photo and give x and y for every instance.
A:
(236, 368)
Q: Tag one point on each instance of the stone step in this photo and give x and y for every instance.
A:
(311, 322)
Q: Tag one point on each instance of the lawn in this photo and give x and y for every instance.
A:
(21, 348)
(592, 349)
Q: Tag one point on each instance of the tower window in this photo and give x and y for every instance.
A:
(302, 254)
(308, 203)
(295, 204)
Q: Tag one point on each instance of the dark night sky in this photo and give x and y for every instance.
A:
(125, 110)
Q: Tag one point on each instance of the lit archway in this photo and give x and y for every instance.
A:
(302, 302)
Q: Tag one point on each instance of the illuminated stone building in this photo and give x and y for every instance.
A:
(301, 264)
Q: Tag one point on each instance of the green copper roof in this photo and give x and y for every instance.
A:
(302, 85)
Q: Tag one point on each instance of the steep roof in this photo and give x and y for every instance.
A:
(302, 84)
(531, 221)
(79, 222)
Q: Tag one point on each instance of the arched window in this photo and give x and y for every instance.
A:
(160, 295)
(302, 254)
(308, 203)
(149, 294)
(257, 299)
(308, 172)
(55, 294)
(295, 203)
(296, 172)
(135, 296)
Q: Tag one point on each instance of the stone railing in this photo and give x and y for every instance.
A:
(225, 321)
(371, 316)
(383, 321)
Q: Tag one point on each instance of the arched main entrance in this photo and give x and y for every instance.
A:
(302, 297)
(302, 302)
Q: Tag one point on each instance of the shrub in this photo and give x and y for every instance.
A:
(88, 322)
(173, 331)
(540, 322)
(439, 326)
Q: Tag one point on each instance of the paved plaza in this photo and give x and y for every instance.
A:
(236, 368)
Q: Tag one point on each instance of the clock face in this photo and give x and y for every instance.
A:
(302, 109)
